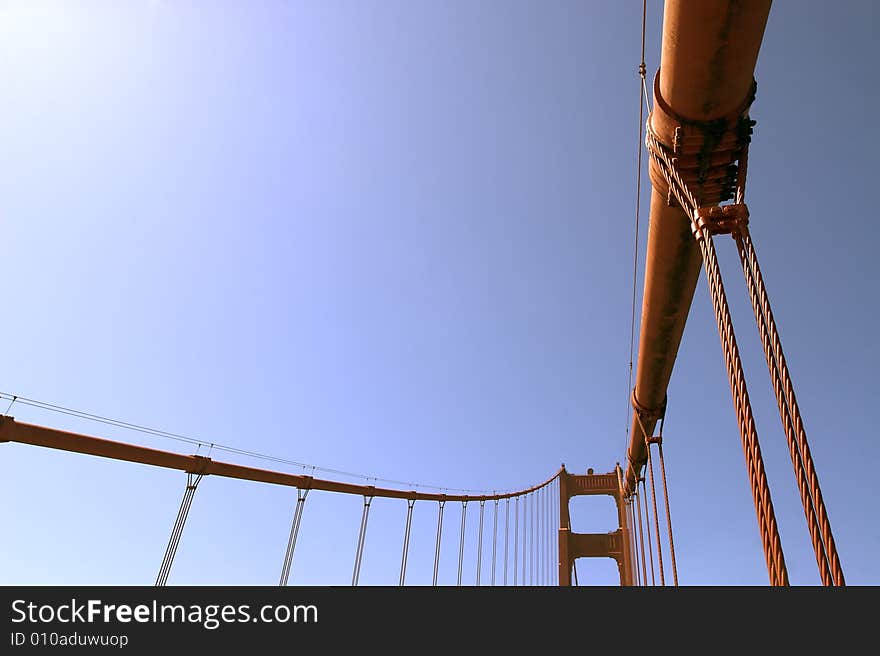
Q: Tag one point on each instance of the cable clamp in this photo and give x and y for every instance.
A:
(720, 220)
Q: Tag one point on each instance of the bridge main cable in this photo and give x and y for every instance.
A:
(53, 438)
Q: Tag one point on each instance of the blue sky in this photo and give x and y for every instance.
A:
(396, 238)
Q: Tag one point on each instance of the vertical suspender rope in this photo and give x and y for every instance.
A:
(506, 535)
(666, 500)
(544, 536)
(656, 519)
(541, 520)
(633, 540)
(192, 482)
(534, 534)
(637, 509)
(536, 547)
(439, 534)
(789, 412)
(525, 541)
(538, 537)
(536, 544)
(555, 535)
(494, 540)
(461, 541)
(647, 529)
(534, 554)
(515, 539)
(409, 510)
(530, 501)
(545, 529)
(702, 231)
(301, 494)
(361, 539)
(637, 538)
(480, 541)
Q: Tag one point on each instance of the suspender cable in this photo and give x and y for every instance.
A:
(409, 510)
(537, 533)
(528, 542)
(656, 519)
(531, 538)
(461, 541)
(830, 569)
(702, 231)
(666, 500)
(533, 566)
(525, 541)
(361, 538)
(544, 536)
(515, 539)
(555, 536)
(801, 460)
(494, 539)
(637, 539)
(542, 520)
(647, 528)
(546, 558)
(546, 527)
(439, 534)
(192, 482)
(301, 494)
(634, 545)
(480, 541)
(506, 535)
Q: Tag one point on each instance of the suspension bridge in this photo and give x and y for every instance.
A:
(696, 128)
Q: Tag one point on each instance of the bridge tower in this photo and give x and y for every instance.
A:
(592, 545)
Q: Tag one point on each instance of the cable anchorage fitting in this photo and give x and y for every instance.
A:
(720, 220)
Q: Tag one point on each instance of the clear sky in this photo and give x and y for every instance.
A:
(396, 238)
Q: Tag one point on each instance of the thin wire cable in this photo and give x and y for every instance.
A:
(9, 407)
(632, 322)
(178, 437)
